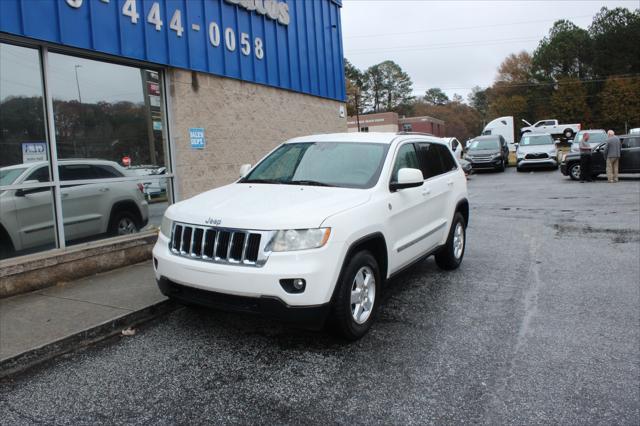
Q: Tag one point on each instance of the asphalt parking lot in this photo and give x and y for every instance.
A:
(541, 324)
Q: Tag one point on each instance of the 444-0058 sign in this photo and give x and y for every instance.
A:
(289, 44)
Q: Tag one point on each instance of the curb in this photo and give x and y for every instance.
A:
(82, 339)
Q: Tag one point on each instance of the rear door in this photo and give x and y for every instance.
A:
(630, 155)
(437, 191)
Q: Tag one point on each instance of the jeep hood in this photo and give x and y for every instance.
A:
(266, 206)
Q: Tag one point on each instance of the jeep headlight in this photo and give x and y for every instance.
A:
(496, 155)
(298, 239)
(165, 227)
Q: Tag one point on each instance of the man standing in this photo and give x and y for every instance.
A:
(612, 154)
(585, 159)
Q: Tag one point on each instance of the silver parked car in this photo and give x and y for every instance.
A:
(88, 208)
(536, 150)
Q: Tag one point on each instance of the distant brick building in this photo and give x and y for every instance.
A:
(391, 122)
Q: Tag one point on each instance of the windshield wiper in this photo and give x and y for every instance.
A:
(307, 182)
(276, 181)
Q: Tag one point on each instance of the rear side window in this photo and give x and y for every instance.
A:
(76, 172)
(631, 143)
(103, 171)
(430, 163)
(448, 162)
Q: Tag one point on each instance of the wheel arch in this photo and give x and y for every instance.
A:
(5, 234)
(376, 244)
(463, 208)
(126, 205)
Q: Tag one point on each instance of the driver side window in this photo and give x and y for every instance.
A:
(406, 158)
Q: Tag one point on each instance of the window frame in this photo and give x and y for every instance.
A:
(56, 184)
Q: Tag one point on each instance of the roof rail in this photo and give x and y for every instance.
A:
(413, 133)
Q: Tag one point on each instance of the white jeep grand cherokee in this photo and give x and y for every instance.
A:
(313, 231)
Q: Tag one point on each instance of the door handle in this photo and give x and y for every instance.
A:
(450, 182)
(104, 189)
(426, 191)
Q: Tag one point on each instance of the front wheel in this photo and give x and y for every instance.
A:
(356, 302)
(574, 171)
(123, 223)
(450, 256)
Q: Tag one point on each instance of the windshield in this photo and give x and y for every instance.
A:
(594, 137)
(348, 165)
(536, 140)
(484, 144)
(8, 176)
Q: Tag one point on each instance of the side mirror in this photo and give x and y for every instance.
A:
(244, 169)
(407, 178)
(27, 191)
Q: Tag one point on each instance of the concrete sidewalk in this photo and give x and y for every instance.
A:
(37, 326)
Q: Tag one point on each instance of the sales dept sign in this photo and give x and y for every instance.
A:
(196, 134)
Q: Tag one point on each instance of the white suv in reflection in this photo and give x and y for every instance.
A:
(315, 229)
(88, 208)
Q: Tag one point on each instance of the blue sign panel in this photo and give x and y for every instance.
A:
(291, 44)
(196, 134)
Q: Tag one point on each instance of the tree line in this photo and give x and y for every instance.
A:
(589, 76)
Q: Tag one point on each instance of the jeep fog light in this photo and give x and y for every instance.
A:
(298, 239)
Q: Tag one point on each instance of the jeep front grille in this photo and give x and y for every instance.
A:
(218, 245)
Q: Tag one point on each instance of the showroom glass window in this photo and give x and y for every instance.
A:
(109, 137)
(27, 216)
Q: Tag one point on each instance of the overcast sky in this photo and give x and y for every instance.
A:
(454, 45)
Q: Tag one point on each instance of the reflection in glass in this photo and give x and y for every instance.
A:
(27, 221)
(22, 119)
(100, 209)
(106, 111)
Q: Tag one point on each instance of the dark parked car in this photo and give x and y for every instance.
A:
(488, 152)
(629, 159)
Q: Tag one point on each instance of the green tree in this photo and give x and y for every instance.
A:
(355, 88)
(388, 87)
(616, 41)
(435, 96)
(565, 53)
(619, 103)
(569, 102)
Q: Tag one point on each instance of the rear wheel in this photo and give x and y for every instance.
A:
(574, 171)
(450, 256)
(356, 302)
(568, 133)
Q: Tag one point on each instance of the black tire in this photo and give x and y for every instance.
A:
(519, 169)
(574, 171)
(342, 315)
(447, 257)
(504, 166)
(568, 134)
(6, 246)
(123, 222)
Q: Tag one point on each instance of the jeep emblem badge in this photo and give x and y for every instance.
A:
(212, 221)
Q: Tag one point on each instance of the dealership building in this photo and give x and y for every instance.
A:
(110, 110)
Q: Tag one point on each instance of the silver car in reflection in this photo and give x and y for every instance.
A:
(89, 209)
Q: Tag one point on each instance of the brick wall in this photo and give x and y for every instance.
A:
(242, 122)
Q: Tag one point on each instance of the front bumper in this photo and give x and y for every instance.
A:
(491, 164)
(272, 307)
(318, 267)
(542, 162)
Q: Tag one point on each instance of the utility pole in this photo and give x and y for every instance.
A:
(78, 82)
